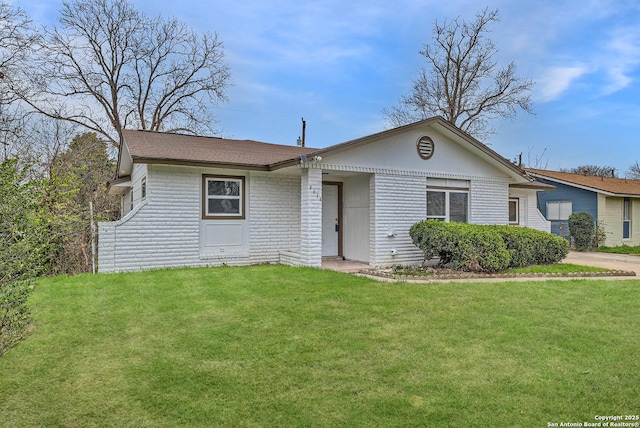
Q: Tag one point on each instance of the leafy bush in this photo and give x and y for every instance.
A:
(14, 315)
(479, 249)
(520, 243)
(532, 247)
(582, 229)
(600, 235)
(435, 238)
(469, 247)
(461, 246)
(23, 248)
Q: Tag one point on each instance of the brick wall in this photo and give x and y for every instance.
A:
(164, 230)
(489, 202)
(274, 224)
(397, 203)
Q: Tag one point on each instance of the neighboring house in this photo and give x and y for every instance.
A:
(614, 203)
(198, 201)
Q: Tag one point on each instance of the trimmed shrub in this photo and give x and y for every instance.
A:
(479, 249)
(533, 247)
(470, 247)
(520, 243)
(461, 246)
(582, 229)
(435, 238)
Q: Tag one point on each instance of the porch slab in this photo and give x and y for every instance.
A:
(346, 266)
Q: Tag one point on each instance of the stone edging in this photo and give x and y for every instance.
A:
(471, 275)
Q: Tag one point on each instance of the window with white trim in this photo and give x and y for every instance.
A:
(626, 218)
(514, 211)
(223, 197)
(143, 188)
(448, 205)
(559, 210)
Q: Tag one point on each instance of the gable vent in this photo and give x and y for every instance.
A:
(425, 147)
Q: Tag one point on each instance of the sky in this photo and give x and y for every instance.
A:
(338, 64)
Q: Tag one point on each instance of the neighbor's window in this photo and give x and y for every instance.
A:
(223, 197)
(130, 199)
(626, 218)
(143, 188)
(448, 205)
(559, 210)
(514, 211)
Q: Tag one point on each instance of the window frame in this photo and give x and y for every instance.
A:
(143, 188)
(626, 218)
(517, 211)
(559, 215)
(447, 201)
(241, 215)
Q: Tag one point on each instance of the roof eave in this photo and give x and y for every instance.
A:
(585, 187)
(437, 120)
(534, 185)
(207, 164)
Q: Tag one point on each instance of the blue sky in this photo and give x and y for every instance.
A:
(339, 63)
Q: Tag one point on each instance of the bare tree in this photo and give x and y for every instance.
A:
(108, 66)
(533, 160)
(462, 82)
(17, 38)
(634, 171)
(593, 170)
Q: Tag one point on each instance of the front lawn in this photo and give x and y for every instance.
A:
(283, 346)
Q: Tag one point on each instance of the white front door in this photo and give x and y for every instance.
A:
(330, 226)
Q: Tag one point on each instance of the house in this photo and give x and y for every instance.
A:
(199, 201)
(614, 203)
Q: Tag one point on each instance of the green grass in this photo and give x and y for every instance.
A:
(623, 249)
(280, 346)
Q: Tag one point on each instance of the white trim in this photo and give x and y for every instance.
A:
(403, 173)
(517, 201)
(447, 203)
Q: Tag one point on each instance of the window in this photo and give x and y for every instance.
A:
(130, 199)
(223, 197)
(143, 188)
(448, 205)
(559, 210)
(626, 218)
(514, 211)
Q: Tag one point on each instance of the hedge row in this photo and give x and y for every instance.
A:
(486, 248)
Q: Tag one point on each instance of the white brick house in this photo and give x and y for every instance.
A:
(199, 201)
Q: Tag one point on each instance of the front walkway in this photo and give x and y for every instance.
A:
(346, 266)
(604, 260)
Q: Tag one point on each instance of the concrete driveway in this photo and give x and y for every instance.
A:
(605, 260)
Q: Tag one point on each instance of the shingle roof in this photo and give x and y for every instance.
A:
(149, 146)
(179, 149)
(617, 186)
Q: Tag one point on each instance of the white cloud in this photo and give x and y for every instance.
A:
(622, 58)
(557, 80)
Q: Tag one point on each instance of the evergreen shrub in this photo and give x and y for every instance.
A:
(582, 228)
(486, 248)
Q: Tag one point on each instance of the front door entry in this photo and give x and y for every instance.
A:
(330, 220)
